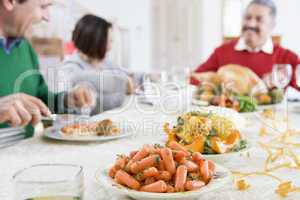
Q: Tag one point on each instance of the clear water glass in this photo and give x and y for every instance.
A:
(49, 182)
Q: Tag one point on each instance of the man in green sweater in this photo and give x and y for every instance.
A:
(23, 91)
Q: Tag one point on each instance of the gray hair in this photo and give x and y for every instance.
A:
(268, 3)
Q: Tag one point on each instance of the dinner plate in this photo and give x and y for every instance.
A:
(222, 178)
(202, 103)
(53, 133)
(226, 157)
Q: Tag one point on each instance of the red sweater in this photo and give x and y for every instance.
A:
(261, 63)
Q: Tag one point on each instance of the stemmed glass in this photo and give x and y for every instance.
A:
(281, 77)
(151, 86)
(298, 75)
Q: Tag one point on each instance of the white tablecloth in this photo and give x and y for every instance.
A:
(147, 125)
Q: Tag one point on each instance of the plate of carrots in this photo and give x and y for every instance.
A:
(159, 172)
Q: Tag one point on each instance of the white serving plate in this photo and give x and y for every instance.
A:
(217, 183)
(226, 157)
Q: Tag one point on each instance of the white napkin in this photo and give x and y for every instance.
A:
(293, 94)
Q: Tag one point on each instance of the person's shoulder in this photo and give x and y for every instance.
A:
(25, 44)
(73, 64)
(72, 58)
(280, 50)
(227, 46)
(27, 48)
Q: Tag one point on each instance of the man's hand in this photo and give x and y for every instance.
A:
(130, 86)
(22, 109)
(82, 96)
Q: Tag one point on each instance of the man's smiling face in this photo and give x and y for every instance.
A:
(258, 24)
(22, 15)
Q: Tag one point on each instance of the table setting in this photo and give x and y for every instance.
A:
(106, 156)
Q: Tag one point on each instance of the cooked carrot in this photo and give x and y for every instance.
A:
(150, 180)
(193, 176)
(194, 185)
(150, 148)
(161, 166)
(168, 160)
(121, 162)
(176, 146)
(112, 172)
(157, 151)
(178, 155)
(150, 172)
(164, 175)
(139, 155)
(170, 189)
(125, 179)
(191, 166)
(206, 174)
(197, 157)
(182, 161)
(211, 166)
(157, 187)
(132, 154)
(180, 179)
(145, 163)
(143, 153)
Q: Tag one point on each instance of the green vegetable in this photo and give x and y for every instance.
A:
(180, 121)
(212, 133)
(240, 146)
(207, 148)
(277, 95)
(247, 104)
(157, 160)
(193, 177)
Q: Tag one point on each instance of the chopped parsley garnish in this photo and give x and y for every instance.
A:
(180, 121)
(240, 146)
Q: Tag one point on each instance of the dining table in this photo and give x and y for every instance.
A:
(146, 123)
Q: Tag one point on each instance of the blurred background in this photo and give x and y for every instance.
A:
(158, 34)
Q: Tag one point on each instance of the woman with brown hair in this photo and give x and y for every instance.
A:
(93, 39)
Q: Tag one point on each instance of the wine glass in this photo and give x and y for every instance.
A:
(298, 75)
(149, 93)
(281, 77)
(49, 181)
(180, 76)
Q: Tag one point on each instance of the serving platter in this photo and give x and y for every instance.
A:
(222, 178)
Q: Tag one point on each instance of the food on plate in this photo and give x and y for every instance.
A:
(242, 185)
(240, 80)
(203, 132)
(159, 169)
(238, 88)
(101, 128)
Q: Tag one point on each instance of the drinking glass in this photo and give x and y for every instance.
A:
(181, 76)
(298, 75)
(49, 182)
(281, 77)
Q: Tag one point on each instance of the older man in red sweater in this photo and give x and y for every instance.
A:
(255, 48)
